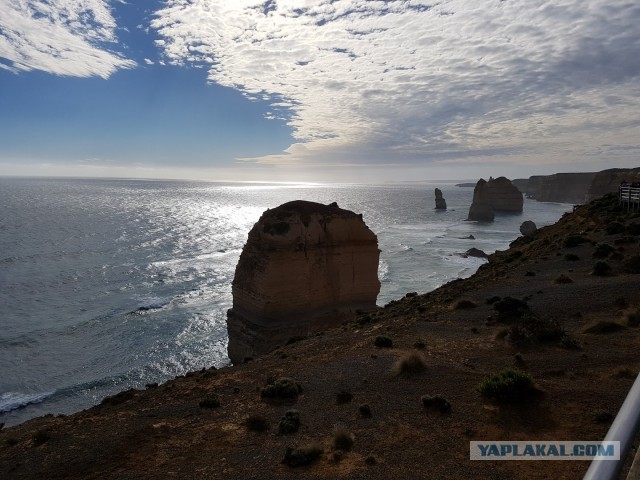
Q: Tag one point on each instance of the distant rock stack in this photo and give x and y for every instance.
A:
(304, 266)
(441, 203)
(496, 195)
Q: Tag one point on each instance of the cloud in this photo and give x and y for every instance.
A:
(62, 37)
(365, 81)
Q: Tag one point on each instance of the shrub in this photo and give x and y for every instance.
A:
(614, 228)
(290, 422)
(464, 305)
(603, 250)
(571, 257)
(343, 440)
(569, 342)
(492, 300)
(383, 342)
(509, 308)
(632, 265)
(535, 329)
(296, 457)
(573, 240)
(410, 363)
(632, 318)
(40, 437)
(562, 279)
(507, 386)
(343, 397)
(256, 423)
(601, 269)
(211, 400)
(296, 339)
(365, 411)
(633, 228)
(603, 327)
(420, 344)
(11, 441)
(436, 402)
(602, 416)
(282, 388)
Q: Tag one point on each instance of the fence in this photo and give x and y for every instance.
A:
(630, 196)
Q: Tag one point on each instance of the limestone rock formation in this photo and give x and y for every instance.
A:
(559, 187)
(608, 181)
(441, 203)
(496, 195)
(304, 266)
(475, 252)
(528, 228)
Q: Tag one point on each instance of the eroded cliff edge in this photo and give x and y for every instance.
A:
(303, 267)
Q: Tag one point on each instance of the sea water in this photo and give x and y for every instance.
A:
(111, 284)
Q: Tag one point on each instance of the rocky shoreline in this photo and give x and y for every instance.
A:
(394, 393)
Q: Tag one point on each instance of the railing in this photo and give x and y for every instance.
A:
(623, 429)
(630, 196)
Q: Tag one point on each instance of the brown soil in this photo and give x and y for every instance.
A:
(162, 432)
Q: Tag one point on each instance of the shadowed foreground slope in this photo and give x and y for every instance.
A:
(371, 396)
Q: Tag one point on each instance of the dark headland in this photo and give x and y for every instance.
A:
(393, 393)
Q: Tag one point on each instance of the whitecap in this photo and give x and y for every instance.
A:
(10, 401)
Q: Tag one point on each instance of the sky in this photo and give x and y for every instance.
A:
(318, 90)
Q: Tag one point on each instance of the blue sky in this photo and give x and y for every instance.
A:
(318, 90)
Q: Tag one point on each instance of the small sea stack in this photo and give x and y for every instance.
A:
(304, 267)
(441, 203)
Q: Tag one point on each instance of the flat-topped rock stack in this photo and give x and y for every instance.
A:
(496, 195)
(304, 266)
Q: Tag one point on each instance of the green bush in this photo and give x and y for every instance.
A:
(507, 386)
(256, 423)
(282, 388)
(601, 269)
(297, 457)
(343, 440)
(343, 397)
(365, 411)
(509, 308)
(571, 257)
(290, 422)
(573, 240)
(464, 305)
(632, 265)
(436, 402)
(603, 250)
(211, 400)
(40, 437)
(410, 363)
(562, 279)
(383, 342)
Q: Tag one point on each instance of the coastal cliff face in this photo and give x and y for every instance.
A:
(559, 187)
(303, 267)
(496, 195)
(608, 181)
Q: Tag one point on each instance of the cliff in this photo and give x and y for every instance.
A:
(496, 195)
(303, 267)
(441, 203)
(559, 187)
(376, 376)
(608, 181)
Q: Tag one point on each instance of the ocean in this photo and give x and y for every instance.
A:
(111, 284)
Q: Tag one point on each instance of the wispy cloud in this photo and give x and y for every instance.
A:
(364, 81)
(62, 37)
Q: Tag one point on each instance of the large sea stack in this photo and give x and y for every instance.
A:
(304, 266)
(496, 195)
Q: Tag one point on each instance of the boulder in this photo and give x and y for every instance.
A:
(528, 228)
(304, 267)
(475, 252)
(441, 203)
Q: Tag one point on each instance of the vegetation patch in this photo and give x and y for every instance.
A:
(601, 269)
(508, 386)
(603, 250)
(464, 305)
(290, 423)
(306, 455)
(573, 240)
(211, 400)
(40, 437)
(420, 344)
(383, 342)
(571, 257)
(562, 279)
(343, 440)
(531, 329)
(296, 339)
(510, 308)
(256, 423)
(282, 388)
(343, 397)
(614, 228)
(436, 402)
(632, 317)
(603, 327)
(410, 363)
(569, 342)
(365, 411)
(632, 265)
